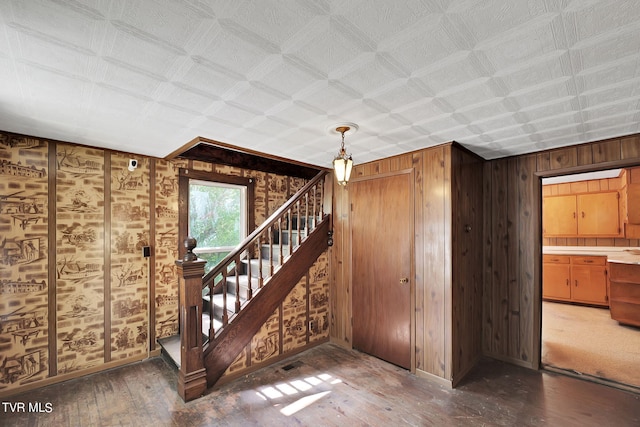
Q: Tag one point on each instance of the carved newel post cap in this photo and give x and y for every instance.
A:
(190, 244)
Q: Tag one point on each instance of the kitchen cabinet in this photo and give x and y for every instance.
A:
(632, 214)
(580, 279)
(556, 278)
(625, 293)
(559, 216)
(582, 215)
(598, 214)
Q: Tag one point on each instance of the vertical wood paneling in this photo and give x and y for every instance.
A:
(630, 147)
(405, 161)
(419, 241)
(500, 256)
(513, 235)
(447, 262)
(529, 255)
(544, 161)
(563, 158)
(487, 251)
(434, 260)
(585, 155)
(340, 289)
(466, 283)
(607, 151)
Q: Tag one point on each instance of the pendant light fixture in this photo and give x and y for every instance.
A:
(343, 163)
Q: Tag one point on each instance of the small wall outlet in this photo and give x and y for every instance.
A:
(146, 251)
(311, 325)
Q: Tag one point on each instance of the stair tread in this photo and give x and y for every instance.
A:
(218, 299)
(243, 279)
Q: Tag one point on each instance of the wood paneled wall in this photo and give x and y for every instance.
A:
(467, 272)
(448, 272)
(513, 240)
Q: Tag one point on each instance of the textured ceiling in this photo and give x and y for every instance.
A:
(501, 77)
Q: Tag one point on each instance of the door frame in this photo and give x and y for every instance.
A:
(539, 175)
(412, 267)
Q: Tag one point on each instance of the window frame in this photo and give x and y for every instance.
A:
(184, 178)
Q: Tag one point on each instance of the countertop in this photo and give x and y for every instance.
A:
(624, 255)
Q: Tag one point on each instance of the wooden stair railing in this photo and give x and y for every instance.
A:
(229, 301)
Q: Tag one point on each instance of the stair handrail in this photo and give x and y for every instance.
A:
(273, 218)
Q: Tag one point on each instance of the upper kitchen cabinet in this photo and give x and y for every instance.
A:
(590, 208)
(599, 214)
(631, 195)
(582, 215)
(559, 216)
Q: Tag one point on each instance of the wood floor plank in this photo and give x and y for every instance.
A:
(328, 386)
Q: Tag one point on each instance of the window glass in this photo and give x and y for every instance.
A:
(217, 219)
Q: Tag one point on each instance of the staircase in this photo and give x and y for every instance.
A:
(232, 302)
(242, 283)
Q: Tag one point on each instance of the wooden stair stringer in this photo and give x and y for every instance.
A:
(221, 353)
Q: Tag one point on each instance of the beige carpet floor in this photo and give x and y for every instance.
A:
(587, 341)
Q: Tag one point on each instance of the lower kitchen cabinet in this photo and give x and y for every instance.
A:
(625, 293)
(580, 279)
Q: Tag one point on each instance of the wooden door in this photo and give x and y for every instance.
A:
(598, 214)
(559, 216)
(381, 239)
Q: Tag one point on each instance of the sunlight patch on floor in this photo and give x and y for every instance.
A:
(302, 403)
(313, 388)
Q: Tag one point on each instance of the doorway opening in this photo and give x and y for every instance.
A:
(583, 223)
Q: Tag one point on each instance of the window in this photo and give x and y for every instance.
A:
(217, 218)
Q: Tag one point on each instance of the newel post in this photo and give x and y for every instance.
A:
(192, 377)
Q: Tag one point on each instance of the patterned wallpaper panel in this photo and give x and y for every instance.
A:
(24, 281)
(80, 272)
(166, 248)
(130, 219)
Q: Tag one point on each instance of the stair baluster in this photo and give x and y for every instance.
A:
(271, 252)
(211, 308)
(298, 222)
(260, 275)
(225, 315)
(280, 241)
(306, 215)
(250, 274)
(237, 288)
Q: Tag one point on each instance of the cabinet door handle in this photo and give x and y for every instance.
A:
(576, 283)
(574, 215)
(567, 282)
(588, 261)
(582, 214)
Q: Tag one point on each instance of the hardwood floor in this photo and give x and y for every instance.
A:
(327, 386)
